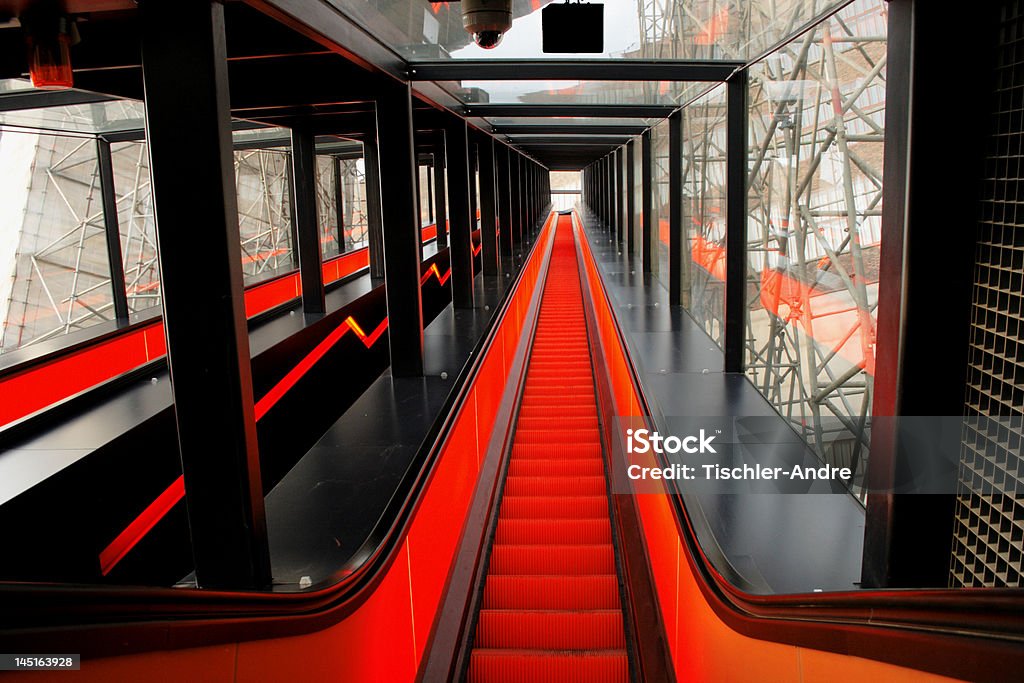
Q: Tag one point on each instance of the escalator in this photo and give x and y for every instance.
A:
(552, 608)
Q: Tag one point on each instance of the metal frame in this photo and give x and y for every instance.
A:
(571, 69)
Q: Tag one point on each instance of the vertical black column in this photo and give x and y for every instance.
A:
(188, 129)
(401, 230)
(736, 222)
(504, 200)
(488, 215)
(646, 199)
(459, 239)
(474, 206)
(374, 211)
(307, 228)
(517, 206)
(440, 193)
(112, 229)
(339, 204)
(620, 195)
(631, 197)
(919, 371)
(609, 193)
(676, 234)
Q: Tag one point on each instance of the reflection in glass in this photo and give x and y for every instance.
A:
(54, 271)
(817, 110)
(264, 211)
(703, 175)
(137, 224)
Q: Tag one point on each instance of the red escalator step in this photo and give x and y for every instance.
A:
(552, 559)
(553, 435)
(551, 629)
(534, 666)
(553, 531)
(554, 507)
(555, 486)
(557, 467)
(545, 450)
(510, 591)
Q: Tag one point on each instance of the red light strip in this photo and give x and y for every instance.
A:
(133, 533)
(155, 511)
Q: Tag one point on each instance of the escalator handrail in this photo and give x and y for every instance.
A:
(847, 621)
(104, 621)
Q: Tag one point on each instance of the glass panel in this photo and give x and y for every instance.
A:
(555, 121)
(137, 224)
(660, 202)
(353, 189)
(264, 212)
(95, 118)
(565, 189)
(326, 206)
(54, 270)
(426, 207)
(636, 29)
(814, 230)
(703, 174)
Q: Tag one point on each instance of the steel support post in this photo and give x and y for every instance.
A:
(488, 215)
(339, 204)
(112, 230)
(676, 233)
(504, 200)
(401, 228)
(620, 195)
(646, 201)
(307, 227)
(919, 372)
(630, 197)
(459, 238)
(374, 210)
(735, 332)
(440, 194)
(188, 130)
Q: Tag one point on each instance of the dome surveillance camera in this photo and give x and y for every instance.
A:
(487, 20)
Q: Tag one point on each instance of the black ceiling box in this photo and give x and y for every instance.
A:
(573, 27)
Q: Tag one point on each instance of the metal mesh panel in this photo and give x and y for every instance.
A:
(988, 532)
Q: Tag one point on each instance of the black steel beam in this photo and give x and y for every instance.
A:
(571, 69)
(534, 141)
(339, 203)
(676, 231)
(488, 214)
(646, 200)
(569, 129)
(735, 332)
(112, 229)
(516, 190)
(374, 209)
(188, 122)
(631, 197)
(459, 239)
(402, 236)
(614, 111)
(923, 339)
(307, 224)
(37, 99)
(501, 155)
(620, 196)
(440, 194)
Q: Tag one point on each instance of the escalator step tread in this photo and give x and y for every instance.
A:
(534, 666)
(552, 560)
(551, 629)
